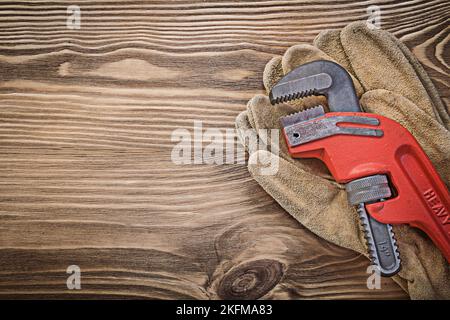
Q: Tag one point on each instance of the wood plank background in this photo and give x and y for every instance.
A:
(85, 174)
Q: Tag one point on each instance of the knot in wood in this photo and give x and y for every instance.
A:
(251, 280)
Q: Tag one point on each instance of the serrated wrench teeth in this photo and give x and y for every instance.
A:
(301, 116)
(299, 88)
(381, 243)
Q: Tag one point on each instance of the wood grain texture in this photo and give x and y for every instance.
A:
(85, 174)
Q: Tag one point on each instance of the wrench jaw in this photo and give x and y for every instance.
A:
(279, 94)
(315, 125)
(287, 90)
(321, 77)
(302, 116)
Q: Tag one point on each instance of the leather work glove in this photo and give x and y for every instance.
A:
(389, 81)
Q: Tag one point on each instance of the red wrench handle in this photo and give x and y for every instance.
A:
(421, 198)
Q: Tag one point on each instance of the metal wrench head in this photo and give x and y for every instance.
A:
(321, 77)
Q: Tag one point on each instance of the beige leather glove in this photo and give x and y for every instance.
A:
(390, 82)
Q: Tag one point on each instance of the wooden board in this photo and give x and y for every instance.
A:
(86, 118)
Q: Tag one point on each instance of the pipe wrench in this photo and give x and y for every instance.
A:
(386, 173)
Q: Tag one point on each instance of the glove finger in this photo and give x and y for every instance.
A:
(329, 41)
(318, 204)
(243, 126)
(378, 63)
(273, 72)
(431, 135)
(440, 111)
(262, 115)
(249, 138)
(304, 53)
